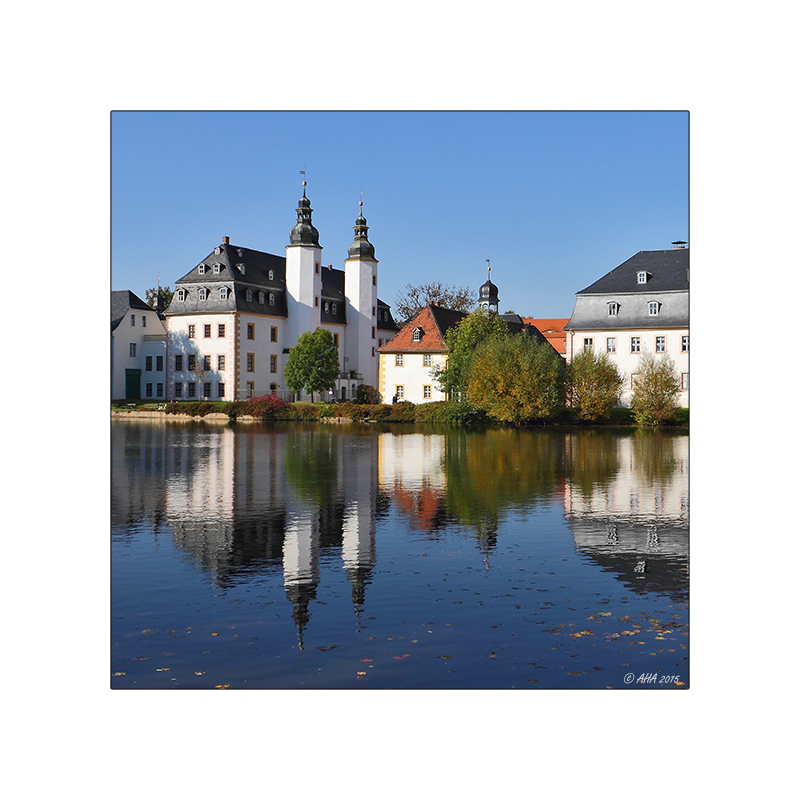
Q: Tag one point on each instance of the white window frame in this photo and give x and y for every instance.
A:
(216, 269)
(181, 294)
(661, 344)
(613, 309)
(653, 307)
(636, 344)
(611, 344)
(641, 276)
(248, 295)
(588, 343)
(201, 269)
(202, 294)
(398, 360)
(685, 344)
(426, 392)
(427, 360)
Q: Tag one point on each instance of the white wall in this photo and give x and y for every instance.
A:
(412, 376)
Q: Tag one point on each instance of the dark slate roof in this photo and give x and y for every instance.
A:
(121, 303)
(386, 324)
(240, 269)
(332, 292)
(668, 271)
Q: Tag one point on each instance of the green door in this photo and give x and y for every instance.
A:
(133, 384)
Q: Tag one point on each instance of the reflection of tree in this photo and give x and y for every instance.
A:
(499, 470)
(311, 464)
(593, 457)
(654, 457)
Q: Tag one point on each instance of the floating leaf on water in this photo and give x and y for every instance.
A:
(365, 659)
(222, 686)
(117, 674)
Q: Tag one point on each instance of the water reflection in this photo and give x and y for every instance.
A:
(258, 500)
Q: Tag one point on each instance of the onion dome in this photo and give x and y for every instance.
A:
(487, 295)
(361, 247)
(304, 232)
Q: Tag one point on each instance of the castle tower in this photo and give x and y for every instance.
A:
(303, 279)
(361, 296)
(487, 295)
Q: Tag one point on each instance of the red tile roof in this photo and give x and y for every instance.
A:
(434, 322)
(552, 330)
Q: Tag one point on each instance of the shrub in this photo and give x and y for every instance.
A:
(367, 395)
(516, 379)
(268, 406)
(594, 385)
(655, 391)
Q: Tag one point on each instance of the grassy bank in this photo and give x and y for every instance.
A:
(444, 412)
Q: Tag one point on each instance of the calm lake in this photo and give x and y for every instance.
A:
(325, 556)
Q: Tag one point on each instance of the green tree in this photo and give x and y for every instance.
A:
(313, 363)
(655, 390)
(462, 340)
(411, 301)
(516, 379)
(151, 295)
(594, 384)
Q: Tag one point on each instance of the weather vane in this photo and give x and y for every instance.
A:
(303, 172)
(489, 268)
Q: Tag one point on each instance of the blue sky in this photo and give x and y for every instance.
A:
(554, 199)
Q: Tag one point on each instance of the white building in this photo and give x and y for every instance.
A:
(138, 348)
(641, 305)
(235, 316)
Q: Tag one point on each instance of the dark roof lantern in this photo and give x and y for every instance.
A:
(304, 232)
(361, 247)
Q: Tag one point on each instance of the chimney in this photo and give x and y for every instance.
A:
(226, 240)
(679, 245)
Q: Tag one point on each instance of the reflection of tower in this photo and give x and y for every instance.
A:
(358, 548)
(359, 481)
(301, 567)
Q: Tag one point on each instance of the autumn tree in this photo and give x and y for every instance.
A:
(516, 379)
(411, 301)
(655, 390)
(313, 363)
(594, 384)
(462, 340)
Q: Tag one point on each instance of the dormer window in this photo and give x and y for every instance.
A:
(333, 308)
(271, 275)
(327, 307)
(216, 269)
(239, 251)
(271, 299)
(240, 267)
(181, 294)
(248, 295)
(653, 307)
(417, 335)
(641, 277)
(202, 269)
(223, 293)
(216, 251)
(613, 309)
(202, 294)
(261, 298)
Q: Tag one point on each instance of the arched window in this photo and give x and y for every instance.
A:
(271, 275)
(223, 293)
(417, 336)
(249, 295)
(327, 307)
(202, 294)
(181, 294)
(261, 298)
(271, 299)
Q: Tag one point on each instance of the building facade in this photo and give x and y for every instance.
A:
(138, 348)
(235, 316)
(640, 306)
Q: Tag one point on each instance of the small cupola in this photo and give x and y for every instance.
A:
(361, 247)
(488, 298)
(304, 232)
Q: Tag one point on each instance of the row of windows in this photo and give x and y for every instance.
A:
(400, 392)
(192, 331)
(273, 333)
(148, 390)
(205, 361)
(225, 293)
(653, 308)
(427, 360)
(133, 321)
(684, 382)
(191, 389)
(636, 344)
(148, 363)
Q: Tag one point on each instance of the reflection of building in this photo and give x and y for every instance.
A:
(635, 522)
(235, 316)
(641, 305)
